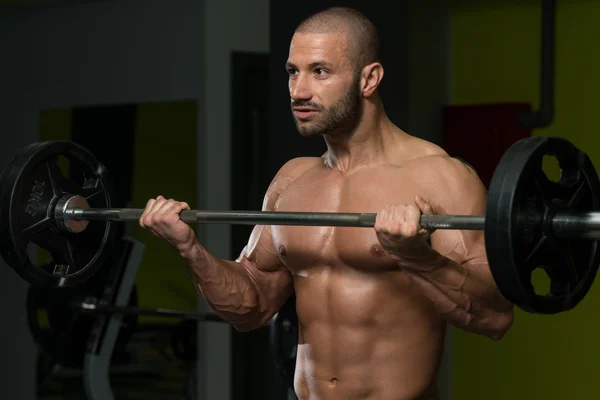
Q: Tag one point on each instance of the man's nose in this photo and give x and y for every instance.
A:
(300, 88)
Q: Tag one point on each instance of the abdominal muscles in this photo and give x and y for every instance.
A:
(365, 335)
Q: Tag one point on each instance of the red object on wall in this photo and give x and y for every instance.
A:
(480, 134)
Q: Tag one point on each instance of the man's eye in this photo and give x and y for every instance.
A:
(320, 71)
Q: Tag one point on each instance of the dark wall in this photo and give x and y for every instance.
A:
(392, 22)
(92, 53)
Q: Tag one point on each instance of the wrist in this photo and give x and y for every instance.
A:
(190, 251)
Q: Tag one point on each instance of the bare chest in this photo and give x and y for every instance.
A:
(303, 247)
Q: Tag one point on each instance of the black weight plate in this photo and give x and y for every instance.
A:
(32, 183)
(6, 186)
(518, 229)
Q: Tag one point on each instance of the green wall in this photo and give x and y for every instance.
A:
(164, 164)
(495, 59)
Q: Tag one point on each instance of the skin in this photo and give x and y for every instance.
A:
(373, 304)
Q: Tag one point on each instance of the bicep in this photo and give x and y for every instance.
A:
(462, 193)
(260, 258)
(270, 276)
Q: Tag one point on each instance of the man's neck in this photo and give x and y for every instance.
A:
(366, 145)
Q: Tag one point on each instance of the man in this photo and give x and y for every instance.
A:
(372, 304)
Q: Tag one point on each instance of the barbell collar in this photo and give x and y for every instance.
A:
(567, 224)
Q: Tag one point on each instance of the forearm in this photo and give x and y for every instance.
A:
(464, 294)
(226, 285)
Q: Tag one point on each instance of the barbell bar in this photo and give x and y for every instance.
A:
(564, 224)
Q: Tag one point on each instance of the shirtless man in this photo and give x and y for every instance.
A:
(372, 304)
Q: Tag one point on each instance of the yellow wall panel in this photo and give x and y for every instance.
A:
(496, 49)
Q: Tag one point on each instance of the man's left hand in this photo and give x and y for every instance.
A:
(399, 231)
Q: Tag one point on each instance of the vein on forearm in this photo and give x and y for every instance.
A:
(463, 293)
(226, 286)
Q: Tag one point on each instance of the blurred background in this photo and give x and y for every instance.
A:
(189, 99)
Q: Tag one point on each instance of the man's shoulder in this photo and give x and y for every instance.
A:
(446, 170)
(449, 183)
(444, 163)
(299, 165)
(438, 173)
(428, 156)
(292, 170)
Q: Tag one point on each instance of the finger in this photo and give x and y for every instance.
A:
(380, 219)
(146, 211)
(149, 205)
(148, 216)
(158, 204)
(390, 220)
(398, 219)
(169, 213)
(399, 213)
(166, 212)
(166, 205)
(412, 221)
(424, 206)
(173, 207)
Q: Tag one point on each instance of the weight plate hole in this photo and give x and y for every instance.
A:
(64, 166)
(551, 168)
(38, 255)
(541, 281)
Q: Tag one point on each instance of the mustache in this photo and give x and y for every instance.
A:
(306, 103)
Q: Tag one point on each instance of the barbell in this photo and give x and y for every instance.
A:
(530, 222)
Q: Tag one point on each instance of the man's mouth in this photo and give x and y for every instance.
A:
(304, 112)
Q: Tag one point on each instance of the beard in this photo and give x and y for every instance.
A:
(343, 115)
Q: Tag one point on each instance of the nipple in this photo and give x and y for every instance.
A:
(377, 251)
(282, 250)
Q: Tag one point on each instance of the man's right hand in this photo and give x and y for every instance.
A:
(161, 217)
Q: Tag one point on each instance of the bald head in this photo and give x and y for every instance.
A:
(363, 45)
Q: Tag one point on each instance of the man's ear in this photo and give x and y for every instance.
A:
(371, 76)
